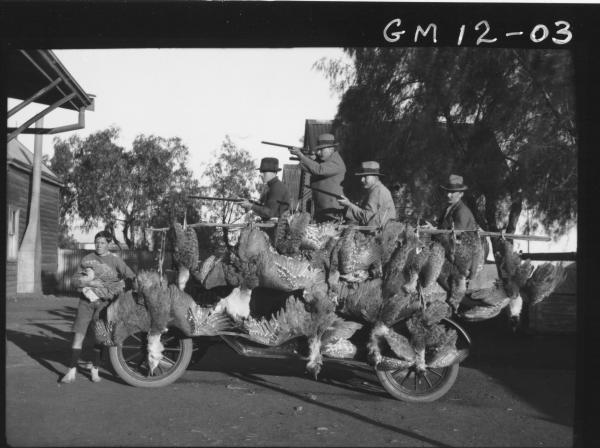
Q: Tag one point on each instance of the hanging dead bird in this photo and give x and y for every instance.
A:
(185, 251)
(508, 262)
(291, 232)
(167, 305)
(433, 265)
(359, 255)
(543, 282)
(388, 239)
(394, 275)
(335, 341)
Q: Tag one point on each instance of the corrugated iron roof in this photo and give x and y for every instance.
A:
(28, 71)
(18, 155)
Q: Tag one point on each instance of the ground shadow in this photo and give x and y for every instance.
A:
(215, 356)
(540, 369)
(362, 419)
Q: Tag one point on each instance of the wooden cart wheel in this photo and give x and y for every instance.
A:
(415, 386)
(418, 387)
(129, 361)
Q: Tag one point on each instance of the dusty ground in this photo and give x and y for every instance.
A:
(511, 391)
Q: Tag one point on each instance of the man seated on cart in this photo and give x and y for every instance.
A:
(376, 206)
(457, 215)
(275, 199)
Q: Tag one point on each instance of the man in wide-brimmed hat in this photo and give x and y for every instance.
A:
(275, 199)
(327, 174)
(457, 214)
(377, 206)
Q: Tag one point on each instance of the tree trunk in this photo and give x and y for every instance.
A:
(126, 231)
(29, 260)
(513, 216)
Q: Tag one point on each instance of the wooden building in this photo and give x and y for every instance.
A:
(19, 167)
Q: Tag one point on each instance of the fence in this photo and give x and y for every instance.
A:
(69, 260)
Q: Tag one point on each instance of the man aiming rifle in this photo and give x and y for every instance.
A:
(327, 174)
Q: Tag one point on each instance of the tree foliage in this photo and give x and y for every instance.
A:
(106, 183)
(503, 118)
(232, 174)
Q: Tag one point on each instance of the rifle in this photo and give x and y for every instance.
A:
(211, 198)
(289, 147)
(337, 196)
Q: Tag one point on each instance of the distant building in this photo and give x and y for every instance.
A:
(19, 167)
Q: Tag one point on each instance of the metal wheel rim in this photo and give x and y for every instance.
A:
(133, 356)
(418, 383)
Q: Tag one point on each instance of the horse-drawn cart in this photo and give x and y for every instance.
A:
(386, 299)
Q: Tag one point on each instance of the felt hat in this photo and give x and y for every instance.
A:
(325, 141)
(455, 183)
(269, 164)
(369, 168)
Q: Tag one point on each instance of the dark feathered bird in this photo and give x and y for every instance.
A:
(388, 239)
(508, 263)
(433, 265)
(394, 275)
(185, 251)
(543, 281)
(358, 254)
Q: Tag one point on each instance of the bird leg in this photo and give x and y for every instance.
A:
(183, 274)
(155, 349)
(315, 360)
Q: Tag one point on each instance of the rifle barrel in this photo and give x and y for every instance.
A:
(337, 196)
(211, 198)
(281, 145)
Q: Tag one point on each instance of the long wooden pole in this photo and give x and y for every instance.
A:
(345, 226)
(29, 267)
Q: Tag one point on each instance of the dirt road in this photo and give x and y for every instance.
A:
(511, 391)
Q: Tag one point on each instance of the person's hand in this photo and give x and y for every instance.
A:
(345, 201)
(295, 151)
(246, 204)
(427, 225)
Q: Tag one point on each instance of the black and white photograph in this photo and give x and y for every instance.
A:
(299, 223)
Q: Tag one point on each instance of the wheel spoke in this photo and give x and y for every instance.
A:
(175, 350)
(436, 372)
(167, 360)
(405, 377)
(132, 347)
(132, 357)
(427, 379)
(134, 336)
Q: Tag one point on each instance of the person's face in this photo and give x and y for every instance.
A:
(267, 176)
(368, 181)
(454, 197)
(101, 246)
(324, 153)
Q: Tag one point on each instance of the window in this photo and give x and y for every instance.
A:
(12, 245)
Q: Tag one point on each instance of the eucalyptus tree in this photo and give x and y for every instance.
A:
(503, 118)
